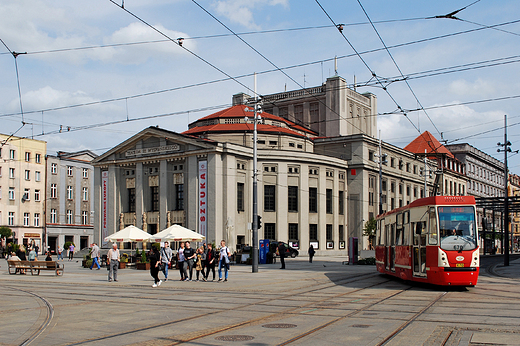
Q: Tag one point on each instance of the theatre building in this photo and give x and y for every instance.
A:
(203, 178)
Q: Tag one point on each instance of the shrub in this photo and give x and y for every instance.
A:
(367, 261)
(143, 258)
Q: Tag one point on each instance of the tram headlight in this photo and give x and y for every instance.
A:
(443, 259)
(475, 258)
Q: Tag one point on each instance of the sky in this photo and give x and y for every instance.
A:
(92, 74)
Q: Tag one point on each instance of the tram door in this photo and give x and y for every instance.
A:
(419, 248)
(390, 247)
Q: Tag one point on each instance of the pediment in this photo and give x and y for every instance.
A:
(153, 142)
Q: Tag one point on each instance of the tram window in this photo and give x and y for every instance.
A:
(433, 238)
(406, 234)
(399, 236)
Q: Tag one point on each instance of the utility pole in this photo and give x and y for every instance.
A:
(425, 176)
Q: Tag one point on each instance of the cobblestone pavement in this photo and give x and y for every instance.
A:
(326, 303)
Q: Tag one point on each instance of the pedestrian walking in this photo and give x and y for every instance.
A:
(155, 260)
(190, 255)
(181, 262)
(198, 262)
(32, 254)
(223, 261)
(210, 262)
(281, 252)
(113, 258)
(166, 259)
(60, 253)
(94, 254)
(311, 253)
(71, 252)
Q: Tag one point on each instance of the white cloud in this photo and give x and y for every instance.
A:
(241, 11)
(47, 97)
(479, 88)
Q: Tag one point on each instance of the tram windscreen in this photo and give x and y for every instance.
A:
(457, 227)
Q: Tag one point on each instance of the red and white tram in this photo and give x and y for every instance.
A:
(432, 240)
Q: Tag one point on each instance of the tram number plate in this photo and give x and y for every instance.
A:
(460, 265)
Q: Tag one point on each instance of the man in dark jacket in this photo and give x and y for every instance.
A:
(189, 255)
(210, 262)
(281, 252)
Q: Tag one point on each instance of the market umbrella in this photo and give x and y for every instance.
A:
(177, 233)
(130, 233)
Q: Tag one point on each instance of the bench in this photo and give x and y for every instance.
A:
(34, 266)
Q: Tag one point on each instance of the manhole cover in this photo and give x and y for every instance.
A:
(361, 326)
(279, 325)
(234, 338)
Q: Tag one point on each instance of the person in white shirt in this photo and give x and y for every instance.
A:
(223, 261)
(113, 258)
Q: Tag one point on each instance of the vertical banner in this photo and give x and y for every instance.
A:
(203, 191)
(104, 200)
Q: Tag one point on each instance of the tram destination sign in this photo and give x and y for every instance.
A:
(153, 150)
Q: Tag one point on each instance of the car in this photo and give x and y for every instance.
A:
(289, 251)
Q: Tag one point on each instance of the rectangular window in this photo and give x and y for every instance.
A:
(26, 219)
(292, 199)
(85, 173)
(70, 171)
(11, 154)
(328, 199)
(36, 220)
(10, 219)
(84, 217)
(38, 158)
(11, 173)
(341, 233)
(27, 156)
(85, 194)
(54, 216)
(179, 194)
(37, 176)
(69, 217)
(27, 174)
(313, 200)
(54, 168)
(131, 200)
(341, 203)
(11, 193)
(240, 196)
(70, 192)
(313, 232)
(314, 111)
(269, 198)
(37, 195)
(54, 191)
(293, 232)
(155, 198)
(328, 231)
(26, 195)
(270, 231)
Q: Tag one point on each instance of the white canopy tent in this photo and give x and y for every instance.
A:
(130, 233)
(177, 233)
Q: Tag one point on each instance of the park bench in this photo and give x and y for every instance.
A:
(35, 266)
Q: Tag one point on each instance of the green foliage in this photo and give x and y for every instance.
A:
(157, 246)
(5, 232)
(124, 258)
(370, 231)
(67, 244)
(88, 263)
(367, 261)
(137, 253)
(143, 258)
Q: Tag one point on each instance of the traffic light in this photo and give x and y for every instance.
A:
(384, 159)
(259, 221)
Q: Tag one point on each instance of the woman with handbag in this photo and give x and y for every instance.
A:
(223, 261)
(155, 261)
(198, 262)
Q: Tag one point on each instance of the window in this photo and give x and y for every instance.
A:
(27, 156)
(293, 231)
(313, 200)
(328, 200)
(155, 198)
(314, 110)
(313, 232)
(370, 155)
(341, 233)
(54, 168)
(38, 158)
(383, 185)
(70, 192)
(36, 220)
(341, 203)
(328, 231)
(84, 217)
(10, 219)
(11, 154)
(392, 187)
(85, 194)
(26, 195)
(370, 198)
(69, 217)
(11, 173)
(270, 231)
(37, 195)
(26, 219)
(131, 200)
(11, 193)
(54, 191)
(27, 174)
(53, 216)
(179, 200)
(240, 196)
(70, 171)
(292, 205)
(37, 176)
(269, 198)
(85, 173)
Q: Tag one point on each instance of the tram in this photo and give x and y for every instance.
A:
(432, 240)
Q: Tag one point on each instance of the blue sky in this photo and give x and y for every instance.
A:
(71, 60)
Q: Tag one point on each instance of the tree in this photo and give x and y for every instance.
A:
(5, 232)
(370, 231)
